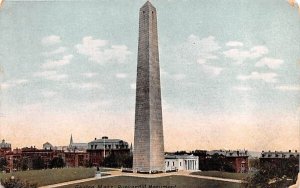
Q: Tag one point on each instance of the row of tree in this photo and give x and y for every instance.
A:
(280, 173)
(35, 163)
(116, 160)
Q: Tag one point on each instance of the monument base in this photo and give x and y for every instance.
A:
(148, 171)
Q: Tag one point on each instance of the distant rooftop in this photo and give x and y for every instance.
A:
(4, 145)
(229, 153)
(185, 156)
(279, 154)
(105, 140)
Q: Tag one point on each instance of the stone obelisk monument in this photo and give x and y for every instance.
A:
(148, 155)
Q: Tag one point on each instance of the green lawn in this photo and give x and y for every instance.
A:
(228, 175)
(169, 181)
(52, 176)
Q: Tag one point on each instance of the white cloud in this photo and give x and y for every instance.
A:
(13, 83)
(234, 44)
(49, 94)
(289, 88)
(242, 88)
(241, 55)
(269, 62)
(294, 2)
(51, 40)
(50, 64)
(267, 77)
(101, 52)
(121, 75)
(200, 50)
(89, 74)
(5, 85)
(86, 85)
(133, 86)
(20, 81)
(59, 50)
(51, 75)
(212, 70)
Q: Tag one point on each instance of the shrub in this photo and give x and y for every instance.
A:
(17, 183)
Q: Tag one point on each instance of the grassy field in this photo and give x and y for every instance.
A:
(228, 175)
(52, 176)
(169, 181)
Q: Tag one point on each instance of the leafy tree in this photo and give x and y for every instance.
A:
(117, 160)
(254, 163)
(275, 174)
(17, 183)
(38, 163)
(24, 164)
(180, 152)
(3, 164)
(216, 162)
(127, 161)
(57, 162)
(88, 164)
(228, 167)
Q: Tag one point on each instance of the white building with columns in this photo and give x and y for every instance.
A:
(181, 162)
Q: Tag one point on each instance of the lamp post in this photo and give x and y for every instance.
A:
(104, 149)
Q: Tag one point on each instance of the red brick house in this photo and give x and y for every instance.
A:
(237, 160)
(76, 159)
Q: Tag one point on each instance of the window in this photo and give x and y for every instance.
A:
(95, 146)
(92, 146)
(180, 163)
(173, 164)
(168, 163)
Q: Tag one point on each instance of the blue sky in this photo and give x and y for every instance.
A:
(229, 69)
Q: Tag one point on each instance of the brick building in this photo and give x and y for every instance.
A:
(4, 148)
(33, 153)
(278, 156)
(13, 159)
(236, 161)
(76, 159)
(98, 149)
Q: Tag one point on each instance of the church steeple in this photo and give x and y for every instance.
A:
(71, 140)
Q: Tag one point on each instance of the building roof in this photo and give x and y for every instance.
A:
(185, 156)
(47, 144)
(79, 144)
(107, 141)
(3, 144)
(229, 153)
(279, 154)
